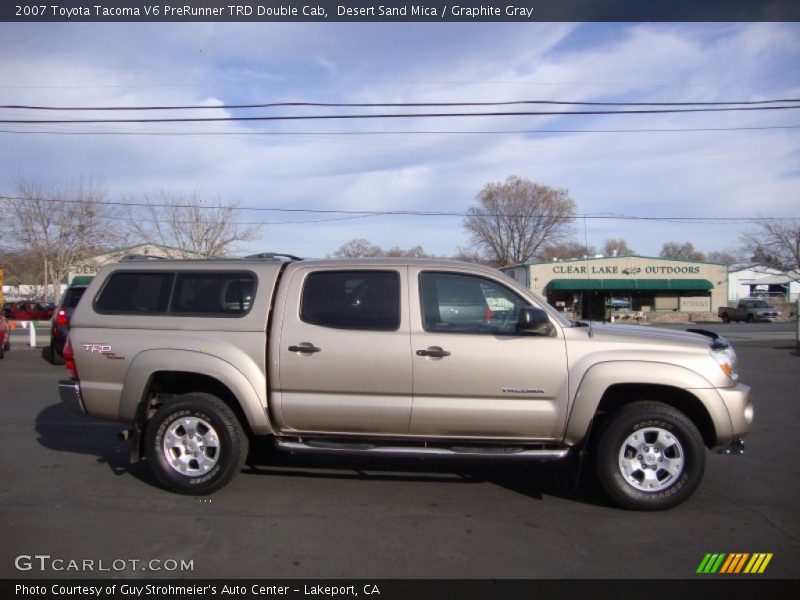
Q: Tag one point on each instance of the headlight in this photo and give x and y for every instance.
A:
(726, 359)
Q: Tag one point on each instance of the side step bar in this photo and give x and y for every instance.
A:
(368, 448)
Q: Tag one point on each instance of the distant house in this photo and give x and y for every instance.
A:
(88, 267)
(745, 281)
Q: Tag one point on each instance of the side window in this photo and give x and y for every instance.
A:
(131, 293)
(467, 304)
(364, 300)
(216, 293)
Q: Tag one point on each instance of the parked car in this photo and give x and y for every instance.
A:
(748, 309)
(27, 311)
(59, 326)
(396, 357)
(5, 337)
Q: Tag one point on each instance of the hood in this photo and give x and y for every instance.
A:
(636, 334)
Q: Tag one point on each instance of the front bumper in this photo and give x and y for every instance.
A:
(740, 409)
(70, 392)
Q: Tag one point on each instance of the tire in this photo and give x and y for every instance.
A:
(2, 351)
(55, 357)
(195, 444)
(749, 318)
(725, 318)
(650, 456)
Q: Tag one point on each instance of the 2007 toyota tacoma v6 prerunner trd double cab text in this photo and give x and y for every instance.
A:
(395, 357)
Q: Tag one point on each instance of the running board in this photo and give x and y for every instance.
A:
(328, 446)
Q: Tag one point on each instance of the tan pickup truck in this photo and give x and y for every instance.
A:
(391, 357)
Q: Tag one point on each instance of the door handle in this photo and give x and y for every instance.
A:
(305, 348)
(433, 352)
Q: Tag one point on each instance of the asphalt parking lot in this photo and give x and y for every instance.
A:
(66, 491)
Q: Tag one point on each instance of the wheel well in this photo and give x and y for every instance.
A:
(166, 385)
(619, 395)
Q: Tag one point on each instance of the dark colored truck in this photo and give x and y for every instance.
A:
(749, 310)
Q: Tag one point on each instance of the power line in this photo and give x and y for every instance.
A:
(415, 213)
(395, 115)
(98, 86)
(393, 105)
(387, 132)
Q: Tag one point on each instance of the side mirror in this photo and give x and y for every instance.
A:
(534, 321)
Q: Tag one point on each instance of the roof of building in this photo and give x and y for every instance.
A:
(625, 256)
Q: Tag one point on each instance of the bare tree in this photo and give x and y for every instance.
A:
(21, 267)
(515, 219)
(190, 225)
(361, 248)
(467, 255)
(415, 252)
(565, 251)
(776, 241)
(57, 227)
(358, 248)
(617, 247)
(722, 257)
(679, 251)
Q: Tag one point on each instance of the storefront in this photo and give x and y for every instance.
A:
(600, 287)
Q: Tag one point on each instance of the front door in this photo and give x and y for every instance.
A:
(474, 375)
(345, 364)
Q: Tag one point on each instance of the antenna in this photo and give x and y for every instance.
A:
(586, 249)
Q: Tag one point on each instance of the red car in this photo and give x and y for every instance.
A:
(28, 311)
(5, 337)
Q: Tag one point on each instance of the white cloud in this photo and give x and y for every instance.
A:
(702, 173)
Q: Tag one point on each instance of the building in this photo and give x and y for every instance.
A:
(595, 287)
(85, 269)
(749, 281)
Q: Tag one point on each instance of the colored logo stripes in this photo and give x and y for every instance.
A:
(735, 563)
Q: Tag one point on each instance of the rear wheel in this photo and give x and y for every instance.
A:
(725, 318)
(749, 318)
(195, 444)
(2, 351)
(650, 456)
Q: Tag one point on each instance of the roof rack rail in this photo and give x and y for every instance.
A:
(273, 256)
(140, 257)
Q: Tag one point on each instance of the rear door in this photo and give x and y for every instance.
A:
(474, 375)
(344, 355)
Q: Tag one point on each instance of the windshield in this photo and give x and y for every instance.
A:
(759, 304)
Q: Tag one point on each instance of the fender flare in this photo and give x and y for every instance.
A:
(598, 378)
(149, 362)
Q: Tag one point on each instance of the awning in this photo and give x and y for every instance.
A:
(582, 285)
(81, 280)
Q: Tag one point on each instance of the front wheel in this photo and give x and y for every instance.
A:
(195, 444)
(650, 456)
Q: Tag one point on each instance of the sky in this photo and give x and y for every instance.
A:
(288, 164)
